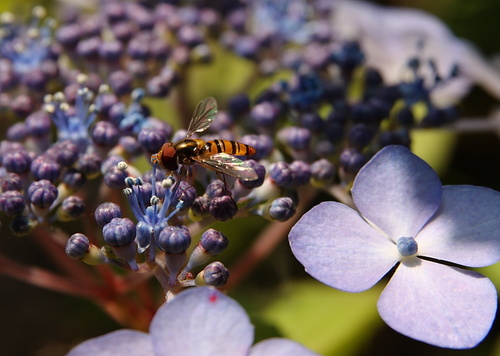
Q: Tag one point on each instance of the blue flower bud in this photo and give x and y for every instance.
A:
(407, 246)
(282, 209)
(174, 240)
(238, 105)
(312, 121)
(223, 208)
(107, 212)
(42, 193)
(12, 202)
(213, 242)
(44, 167)
(215, 275)
(119, 232)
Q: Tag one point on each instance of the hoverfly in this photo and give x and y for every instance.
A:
(214, 155)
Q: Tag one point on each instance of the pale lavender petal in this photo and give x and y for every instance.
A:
(121, 342)
(340, 249)
(438, 304)
(280, 347)
(397, 191)
(201, 321)
(465, 229)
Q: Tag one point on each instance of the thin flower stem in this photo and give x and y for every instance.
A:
(45, 279)
(267, 241)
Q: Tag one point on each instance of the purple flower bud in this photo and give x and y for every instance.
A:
(214, 242)
(16, 161)
(105, 134)
(21, 105)
(239, 105)
(282, 209)
(12, 202)
(73, 178)
(119, 232)
(263, 145)
(322, 171)
(66, 153)
(261, 173)
(44, 167)
(302, 172)
(78, 246)
(152, 139)
(351, 160)
(42, 193)
(215, 274)
(10, 181)
(71, 208)
(90, 165)
(281, 173)
(298, 138)
(223, 208)
(120, 82)
(110, 51)
(185, 192)
(68, 35)
(107, 212)
(216, 188)
(200, 207)
(174, 240)
(17, 132)
(360, 135)
(264, 114)
(38, 124)
(115, 177)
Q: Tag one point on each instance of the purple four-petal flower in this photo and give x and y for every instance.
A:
(198, 322)
(407, 217)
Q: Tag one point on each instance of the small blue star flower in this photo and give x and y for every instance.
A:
(407, 218)
(199, 321)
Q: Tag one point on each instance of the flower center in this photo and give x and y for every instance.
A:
(407, 246)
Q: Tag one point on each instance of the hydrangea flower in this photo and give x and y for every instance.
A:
(407, 218)
(199, 322)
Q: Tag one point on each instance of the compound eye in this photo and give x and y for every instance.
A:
(168, 156)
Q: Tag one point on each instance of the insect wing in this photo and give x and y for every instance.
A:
(203, 116)
(227, 164)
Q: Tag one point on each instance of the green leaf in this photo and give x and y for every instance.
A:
(326, 320)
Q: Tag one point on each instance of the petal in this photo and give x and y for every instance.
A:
(397, 191)
(440, 305)
(339, 248)
(201, 321)
(121, 342)
(280, 347)
(465, 229)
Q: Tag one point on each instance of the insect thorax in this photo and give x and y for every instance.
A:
(187, 149)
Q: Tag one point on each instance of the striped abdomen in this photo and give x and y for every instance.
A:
(226, 146)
